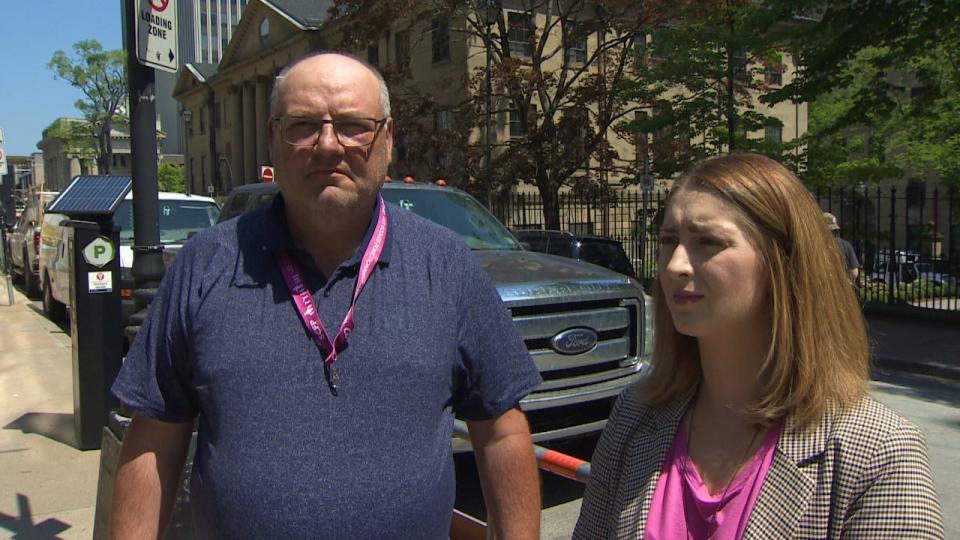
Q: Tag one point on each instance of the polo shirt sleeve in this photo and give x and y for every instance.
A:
(154, 380)
(498, 368)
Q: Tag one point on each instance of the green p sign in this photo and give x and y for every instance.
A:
(99, 252)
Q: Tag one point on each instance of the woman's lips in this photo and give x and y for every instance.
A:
(685, 298)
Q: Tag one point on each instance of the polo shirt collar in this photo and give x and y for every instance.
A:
(277, 234)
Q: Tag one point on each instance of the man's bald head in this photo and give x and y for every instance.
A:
(278, 82)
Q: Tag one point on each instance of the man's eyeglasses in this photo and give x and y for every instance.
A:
(351, 132)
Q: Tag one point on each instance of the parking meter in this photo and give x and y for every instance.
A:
(94, 324)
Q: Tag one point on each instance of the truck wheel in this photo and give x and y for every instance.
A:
(30, 285)
(54, 310)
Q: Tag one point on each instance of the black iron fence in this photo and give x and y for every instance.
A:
(906, 238)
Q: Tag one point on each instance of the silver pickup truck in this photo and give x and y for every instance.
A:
(588, 329)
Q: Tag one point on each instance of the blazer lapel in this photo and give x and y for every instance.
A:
(789, 485)
(650, 445)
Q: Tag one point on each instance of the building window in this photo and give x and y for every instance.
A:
(216, 115)
(641, 141)
(373, 55)
(203, 171)
(401, 46)
(443, 120)
(773, 133)
(440, 39)
(264, 31)
(203, 122)
(520, 33)
(738, 62)
(576, 47)
(518, 122)
(773, 76)
(639, 43)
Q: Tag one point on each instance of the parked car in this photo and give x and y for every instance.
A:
(553, 301)
(181, 216)
(898, 266)
(24, 242)
(247, 197)
(598, 250)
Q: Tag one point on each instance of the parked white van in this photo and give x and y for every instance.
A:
(181, 216)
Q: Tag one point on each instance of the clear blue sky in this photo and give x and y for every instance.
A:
(30, 32)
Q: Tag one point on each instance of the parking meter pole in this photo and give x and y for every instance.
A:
(147, 255)
(94, 325)
(5, 264)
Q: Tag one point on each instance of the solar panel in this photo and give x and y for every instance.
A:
(91, 196)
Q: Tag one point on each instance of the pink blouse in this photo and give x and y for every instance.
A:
(684, 509)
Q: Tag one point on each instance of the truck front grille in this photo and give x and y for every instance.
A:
(615, 355)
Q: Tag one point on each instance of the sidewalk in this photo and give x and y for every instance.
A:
(924, 347)
(48, 488)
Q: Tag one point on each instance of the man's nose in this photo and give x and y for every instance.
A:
(327, 140)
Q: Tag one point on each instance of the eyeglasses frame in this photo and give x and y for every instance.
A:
(378, 123)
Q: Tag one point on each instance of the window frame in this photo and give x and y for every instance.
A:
(520, 45)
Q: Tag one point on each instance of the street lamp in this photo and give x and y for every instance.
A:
(187, 120)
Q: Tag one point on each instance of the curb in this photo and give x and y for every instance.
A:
(919, 368)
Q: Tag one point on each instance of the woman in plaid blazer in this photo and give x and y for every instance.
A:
(754, 421)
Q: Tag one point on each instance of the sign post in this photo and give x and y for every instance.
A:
(156, 34)
(3, 156)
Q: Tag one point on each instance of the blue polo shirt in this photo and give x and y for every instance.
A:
(279, 454)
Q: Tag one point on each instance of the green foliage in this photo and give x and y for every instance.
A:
(101, 76)
(170, 178)
(884, 85)
(914, 291)
(76, 136)
(700, 78)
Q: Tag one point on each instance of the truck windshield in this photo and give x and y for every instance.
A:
(179, 219)
(456, 211)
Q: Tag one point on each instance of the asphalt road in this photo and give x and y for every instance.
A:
(933, 404)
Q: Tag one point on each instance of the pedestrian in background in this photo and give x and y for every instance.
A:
(305, 434)
(755, 421)
(846, 249)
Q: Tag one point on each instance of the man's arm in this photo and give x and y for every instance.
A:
(854, 273)
(508, 474)
(148, 474)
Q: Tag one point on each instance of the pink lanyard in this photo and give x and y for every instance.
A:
(304, 300)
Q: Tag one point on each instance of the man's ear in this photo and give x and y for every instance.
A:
(388, 136)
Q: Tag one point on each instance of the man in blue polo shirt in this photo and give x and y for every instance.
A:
(324, 345)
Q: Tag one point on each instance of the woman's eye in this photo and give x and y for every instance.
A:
(710, 241)
(667, 240)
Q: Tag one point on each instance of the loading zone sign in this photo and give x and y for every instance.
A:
(156, 31)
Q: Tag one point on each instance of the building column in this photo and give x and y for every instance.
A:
(249, 135)
(262, 108)
(236, 137)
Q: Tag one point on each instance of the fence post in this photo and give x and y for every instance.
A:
(891, 275)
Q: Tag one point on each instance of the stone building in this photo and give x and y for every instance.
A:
(227, 104)
(64, 159)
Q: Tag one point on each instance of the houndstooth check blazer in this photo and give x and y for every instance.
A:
(862, 473)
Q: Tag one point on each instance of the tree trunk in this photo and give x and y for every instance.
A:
(549, 194)
(105, 157)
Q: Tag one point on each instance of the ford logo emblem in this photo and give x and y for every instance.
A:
(574, 341)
